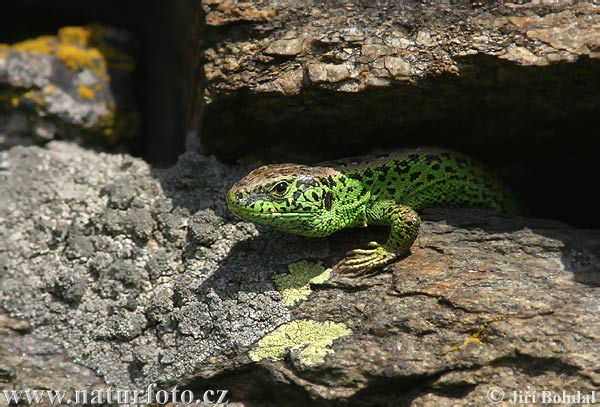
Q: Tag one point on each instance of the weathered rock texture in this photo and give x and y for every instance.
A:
(141, 275)
(507, 83)
(405, 50)
(74, 85)
(28, 362)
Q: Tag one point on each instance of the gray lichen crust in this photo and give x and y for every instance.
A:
(143, 276)
(134, 277)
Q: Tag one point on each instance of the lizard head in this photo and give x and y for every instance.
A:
(294, 198)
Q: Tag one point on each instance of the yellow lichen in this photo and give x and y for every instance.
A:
(295, 285)
(310, 340)
(86, 92)
(32, 95)
(78, 58)
(78, 48)
(476, 337)
(472, 339)
(41, 45)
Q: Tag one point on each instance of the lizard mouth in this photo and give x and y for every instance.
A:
(242, 210)
(299, 223)
(246, 213)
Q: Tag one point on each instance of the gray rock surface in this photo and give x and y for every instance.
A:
(141, 275)
(131, 266)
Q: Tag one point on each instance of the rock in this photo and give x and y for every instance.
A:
(424, 39)
(75, 85)
(202, 228)
(398, 67)
(285, 47)
(330, 73)
(523, 55)
(566, 31)
(288, 84)
(219, 13)
(373, 51)
(14, 324)
(27, 362)
(484, 301)
(564, 28)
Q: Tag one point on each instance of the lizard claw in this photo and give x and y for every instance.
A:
(362, 261)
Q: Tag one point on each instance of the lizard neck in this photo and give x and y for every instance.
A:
(348, 199)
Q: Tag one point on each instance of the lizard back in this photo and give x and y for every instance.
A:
(426, 177)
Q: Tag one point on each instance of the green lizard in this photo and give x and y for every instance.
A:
(386, 189)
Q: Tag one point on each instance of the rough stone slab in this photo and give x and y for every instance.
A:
(141, 275)
(283, 39)
(27, 362)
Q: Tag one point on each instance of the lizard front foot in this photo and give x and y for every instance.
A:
(363, 261)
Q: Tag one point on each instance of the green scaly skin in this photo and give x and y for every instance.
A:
(378, 190)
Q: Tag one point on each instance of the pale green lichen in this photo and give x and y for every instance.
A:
(310, 340)
(295, 285)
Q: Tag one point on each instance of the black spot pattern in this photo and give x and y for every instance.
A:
(415, 175)
(328, 200)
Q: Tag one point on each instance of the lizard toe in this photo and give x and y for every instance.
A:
(362, 261)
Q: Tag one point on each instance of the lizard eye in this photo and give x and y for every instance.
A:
(280, 188)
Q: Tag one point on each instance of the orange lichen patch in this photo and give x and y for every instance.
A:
(78, 48)
(78, 58)
(86, 92)
(476, 337)
(41, 45)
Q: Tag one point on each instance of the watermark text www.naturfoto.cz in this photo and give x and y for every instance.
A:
(150, 395)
